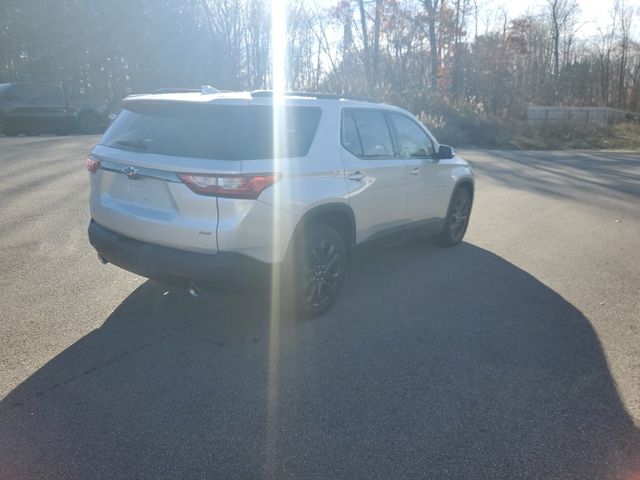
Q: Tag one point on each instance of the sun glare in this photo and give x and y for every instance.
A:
(279, 81)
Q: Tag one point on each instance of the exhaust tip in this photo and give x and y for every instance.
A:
(103, 260)
(193, 290)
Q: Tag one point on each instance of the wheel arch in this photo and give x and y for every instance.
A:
(337, 215)
(466, 183)
(88, 114)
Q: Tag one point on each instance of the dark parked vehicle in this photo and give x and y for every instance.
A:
(34, 108)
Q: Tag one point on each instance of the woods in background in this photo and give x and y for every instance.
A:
(425, 55)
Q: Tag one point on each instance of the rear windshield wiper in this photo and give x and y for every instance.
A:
(136, 144)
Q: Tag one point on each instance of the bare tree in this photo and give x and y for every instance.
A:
(562, 14)
(432, 8)
(365, 44)
(415, 53)
(626, 17)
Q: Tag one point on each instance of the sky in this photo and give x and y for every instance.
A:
(594, 13)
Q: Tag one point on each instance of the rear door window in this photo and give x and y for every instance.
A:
(350, 136)
(373, 130)
(221, 132)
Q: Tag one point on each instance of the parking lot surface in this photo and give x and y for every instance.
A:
(514, 355)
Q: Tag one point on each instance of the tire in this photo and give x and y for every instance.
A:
(89, 123)
(457, 218)
(317, 270)
(10, 130)
(63, 129)
(33, 130)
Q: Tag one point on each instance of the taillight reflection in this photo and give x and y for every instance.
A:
(92, 163)
(236, 186)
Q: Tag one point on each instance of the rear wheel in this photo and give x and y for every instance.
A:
(63, 128)
(33, 130)
(10, 130)
(319, 267)
(457, 218)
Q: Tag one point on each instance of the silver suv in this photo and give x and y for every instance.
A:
(237, 190)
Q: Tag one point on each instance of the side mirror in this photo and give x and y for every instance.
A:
(445, 152)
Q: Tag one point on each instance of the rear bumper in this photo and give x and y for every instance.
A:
(224, 271)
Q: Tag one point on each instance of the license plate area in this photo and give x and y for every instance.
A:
(137, 190)
(142, 190)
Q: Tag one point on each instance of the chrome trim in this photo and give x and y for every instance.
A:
(135, 173)
(131, 172)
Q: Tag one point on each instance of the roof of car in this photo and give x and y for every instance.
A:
(40, 84)
(260, 97)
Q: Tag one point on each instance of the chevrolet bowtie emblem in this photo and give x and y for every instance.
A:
(131, 172)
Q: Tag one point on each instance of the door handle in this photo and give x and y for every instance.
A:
(356, 176)
(415, 171)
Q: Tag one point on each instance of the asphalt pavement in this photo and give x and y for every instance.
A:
(515, 355)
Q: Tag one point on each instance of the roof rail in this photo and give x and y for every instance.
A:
(318, 95)
(209, 89)
(203, 89)
(176, 90)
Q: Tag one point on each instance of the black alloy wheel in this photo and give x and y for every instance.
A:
(321, 264)
(458, 219)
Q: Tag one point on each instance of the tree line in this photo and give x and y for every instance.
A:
(425, 55)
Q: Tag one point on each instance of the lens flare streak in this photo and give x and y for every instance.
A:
(279, 76)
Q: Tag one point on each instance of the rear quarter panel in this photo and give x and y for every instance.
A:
(264, 228)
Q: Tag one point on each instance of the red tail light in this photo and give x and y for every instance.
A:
(93, 164)
(236, 186)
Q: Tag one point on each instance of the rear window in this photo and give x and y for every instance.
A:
(220, 132)
(19, 91)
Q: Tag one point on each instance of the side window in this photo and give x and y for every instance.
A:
(49, 93)
(19, 92)
(350, 137)
(412, 140)
(374, 133)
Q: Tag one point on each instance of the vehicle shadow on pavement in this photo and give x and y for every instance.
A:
(435, 363)
(589, 177)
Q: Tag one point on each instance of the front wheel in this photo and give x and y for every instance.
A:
(319, 267)
(33, 130)
(457, 218)
(63, 128)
